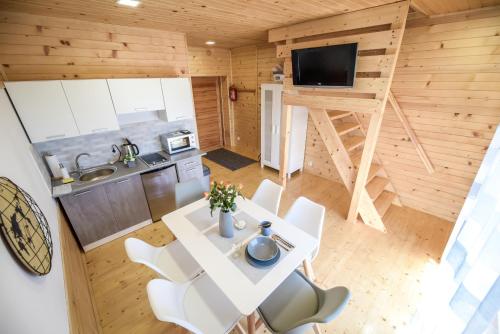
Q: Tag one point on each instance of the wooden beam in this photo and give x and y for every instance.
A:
(349, 21)
(409, 131)
(286, 124)
(333, 103)
(417, 6)
(334, 145)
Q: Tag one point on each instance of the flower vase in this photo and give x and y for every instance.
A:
(226, 224)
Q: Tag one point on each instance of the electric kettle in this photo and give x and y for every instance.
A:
(130, 152)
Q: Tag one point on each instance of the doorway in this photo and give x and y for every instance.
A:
(208, 109)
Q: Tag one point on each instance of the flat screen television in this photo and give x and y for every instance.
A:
(326, 66)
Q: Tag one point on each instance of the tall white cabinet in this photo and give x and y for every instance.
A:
(270, 113)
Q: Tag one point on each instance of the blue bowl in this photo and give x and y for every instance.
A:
(262, 249)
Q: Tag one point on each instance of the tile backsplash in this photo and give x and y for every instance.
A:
(145, 135)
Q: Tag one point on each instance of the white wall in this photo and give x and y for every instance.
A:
(28, 303)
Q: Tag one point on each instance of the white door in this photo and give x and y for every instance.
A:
(178, 95)
(43, 109)
(90, 102)
(136, 95)
(276, 119)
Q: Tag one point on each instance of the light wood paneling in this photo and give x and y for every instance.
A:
(208, 113)
(230, 23)
(40, 47)
(448, 85)
(209, 62)
(251, 66)
(384, 271)
(82, 311)
(430, 7)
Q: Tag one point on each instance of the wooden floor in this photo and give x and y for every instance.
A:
(383, 271)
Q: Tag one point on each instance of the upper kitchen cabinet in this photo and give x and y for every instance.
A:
(136, 95)
(91, 105)
(43, 109)
(178, 96)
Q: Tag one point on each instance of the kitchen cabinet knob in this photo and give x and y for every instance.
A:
(99, 130)
(122, 181)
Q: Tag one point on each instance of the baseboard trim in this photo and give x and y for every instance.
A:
(117, 235)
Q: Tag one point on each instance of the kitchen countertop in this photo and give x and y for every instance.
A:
(59, 189)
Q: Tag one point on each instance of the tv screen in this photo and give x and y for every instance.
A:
(330, 66)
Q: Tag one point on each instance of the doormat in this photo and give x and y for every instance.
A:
(228, 159)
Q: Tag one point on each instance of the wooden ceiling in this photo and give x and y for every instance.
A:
(230, 23)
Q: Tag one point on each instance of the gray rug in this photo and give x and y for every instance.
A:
(228, 159)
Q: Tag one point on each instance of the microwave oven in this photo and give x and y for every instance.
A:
(178, 141)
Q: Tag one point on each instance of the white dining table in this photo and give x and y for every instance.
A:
(244, 285)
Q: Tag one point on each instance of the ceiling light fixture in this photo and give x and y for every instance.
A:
(210, 42)
(130, 3)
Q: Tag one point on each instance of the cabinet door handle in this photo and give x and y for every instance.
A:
(99, 130)
(82, 193)
(190, 169)
(179, 117)
(122, 181)
(190, 163)
(55, 136)
(140, 109)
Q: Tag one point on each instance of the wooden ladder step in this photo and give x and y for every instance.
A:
(346, 127)
(383, 202)
(374, 167)
(334, 114)
(376, 186)
(353, 142)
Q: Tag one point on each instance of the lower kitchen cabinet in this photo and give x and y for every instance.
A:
(128, 201)
(104, 210)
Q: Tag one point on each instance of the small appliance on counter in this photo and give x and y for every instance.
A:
(130, 152)
(178, 141)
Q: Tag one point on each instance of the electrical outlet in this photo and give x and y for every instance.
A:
(238, 138)
(310, 163)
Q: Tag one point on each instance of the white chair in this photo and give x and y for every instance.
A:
(188, 192)
(309, 217)
(199, 306)
(268, 196)
(171, 261)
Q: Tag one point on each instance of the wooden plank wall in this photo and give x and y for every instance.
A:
(209, 62)
(447, 82)
(82, 309)
(36, 47)
(251, 66)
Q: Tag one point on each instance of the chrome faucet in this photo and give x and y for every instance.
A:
(77, 163)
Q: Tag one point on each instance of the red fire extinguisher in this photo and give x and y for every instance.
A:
(233, 93)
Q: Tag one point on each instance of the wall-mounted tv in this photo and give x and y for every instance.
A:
(326, 66)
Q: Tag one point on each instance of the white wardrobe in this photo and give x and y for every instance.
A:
(270, 113)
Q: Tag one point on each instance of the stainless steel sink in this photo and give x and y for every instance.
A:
(95, 174)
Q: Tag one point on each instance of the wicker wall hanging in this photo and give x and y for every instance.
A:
(25, 228)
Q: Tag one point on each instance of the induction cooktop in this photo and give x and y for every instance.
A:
(154, 159)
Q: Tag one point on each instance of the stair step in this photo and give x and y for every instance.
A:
(353, 142)
(376, 186)
(346, 127)
(383, 202)
(374, 168)
(338, 114)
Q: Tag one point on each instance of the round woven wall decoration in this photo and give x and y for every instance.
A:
(25, 228)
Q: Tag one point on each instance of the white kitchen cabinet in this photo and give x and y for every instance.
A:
(271, 109)
(43, 109)
(90, 102)
(178, 96)
(136, 95)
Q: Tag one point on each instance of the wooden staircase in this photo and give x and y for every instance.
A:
(344, 136)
